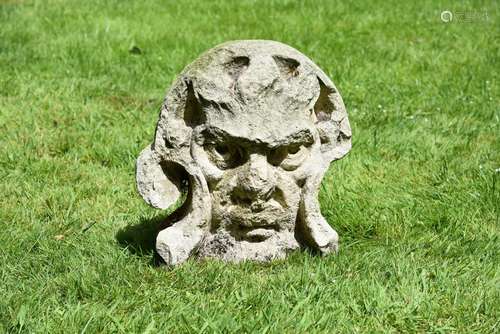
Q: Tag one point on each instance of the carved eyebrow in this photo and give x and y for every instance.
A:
(300, 137)
(213, 132)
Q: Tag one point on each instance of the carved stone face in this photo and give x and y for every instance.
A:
(255, 185)
(251, 126)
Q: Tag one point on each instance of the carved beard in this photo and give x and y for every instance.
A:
(252, 230)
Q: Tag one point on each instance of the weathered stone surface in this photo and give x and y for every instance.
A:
(248, 130)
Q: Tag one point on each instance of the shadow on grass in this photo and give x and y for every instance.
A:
(140, 239)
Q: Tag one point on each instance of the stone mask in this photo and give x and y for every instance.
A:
(247, 131)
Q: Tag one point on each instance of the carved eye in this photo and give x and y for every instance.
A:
(288, 158)
(224, 156)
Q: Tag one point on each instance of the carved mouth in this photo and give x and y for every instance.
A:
(259, 224)
(257, 233)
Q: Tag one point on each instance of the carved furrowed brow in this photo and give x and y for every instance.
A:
(300, 137)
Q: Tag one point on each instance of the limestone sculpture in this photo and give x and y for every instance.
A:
(247, 130)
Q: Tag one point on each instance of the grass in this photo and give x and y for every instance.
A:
(416, 202)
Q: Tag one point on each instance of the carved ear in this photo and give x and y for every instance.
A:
(160, 183)
(165, 169)
(160, 173)
(316, 232)
(332, 122)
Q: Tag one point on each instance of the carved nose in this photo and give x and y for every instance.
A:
(256, 180)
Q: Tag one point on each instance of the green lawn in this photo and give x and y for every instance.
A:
(416, 202)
